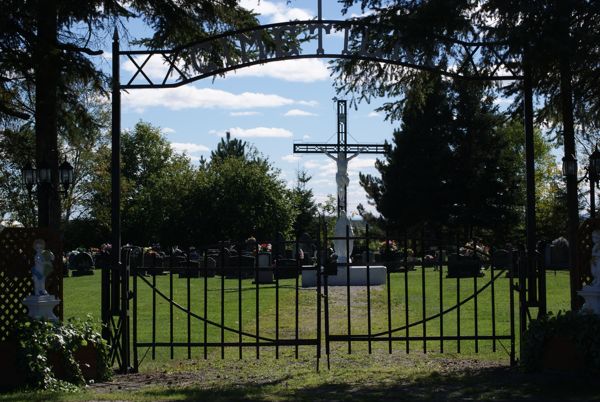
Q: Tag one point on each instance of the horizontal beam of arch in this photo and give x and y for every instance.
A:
(229, 51)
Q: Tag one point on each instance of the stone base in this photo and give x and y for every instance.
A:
(358, 276)
(40, 307)
(591, 294)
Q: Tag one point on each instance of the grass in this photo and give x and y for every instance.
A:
(82, 296)
(379, 377)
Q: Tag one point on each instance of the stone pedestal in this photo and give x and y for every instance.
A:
(358, 276)
(40, 307)
(591, 294)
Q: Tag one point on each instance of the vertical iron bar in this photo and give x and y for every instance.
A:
(296, 317)
(423, 293)
(189, 309)
(223, 273)
(530, 175)
(406, 314)
(326, 278)
(257, 292)
(318, 274)
(239, 272)
(348, 306)
(511, 290)
(493, 286)
(205, 306)
(117, 269)
(172, 350)
(389, 285)
(441, 280)
(457, 297)
(136, 364)
(276, 273)
(475, 312)
(369, 292)
(153, 315)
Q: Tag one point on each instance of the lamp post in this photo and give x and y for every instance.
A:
(42, 176)
(594, 172)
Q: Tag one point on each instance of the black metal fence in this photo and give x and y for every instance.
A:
(434, 296)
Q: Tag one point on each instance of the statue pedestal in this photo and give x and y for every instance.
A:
(591, 294)
(40, 307)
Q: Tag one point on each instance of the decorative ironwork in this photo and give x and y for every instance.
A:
(16, 260)
(282, 41)
(335, 148)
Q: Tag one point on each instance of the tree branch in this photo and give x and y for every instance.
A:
(73, 48)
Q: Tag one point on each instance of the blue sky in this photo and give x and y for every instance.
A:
(271, 106)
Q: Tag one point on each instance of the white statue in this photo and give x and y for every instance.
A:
(595, 260)
(42, 267)
(341, 177)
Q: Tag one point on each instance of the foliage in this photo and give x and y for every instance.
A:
(38, 340)
(154, 181)
(581, 329)
(304, 204)
(237, 198)
(439, 171)
(414, 175)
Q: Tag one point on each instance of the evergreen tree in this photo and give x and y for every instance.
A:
(414, 184)
(304, 204)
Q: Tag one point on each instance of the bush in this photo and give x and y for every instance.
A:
(579, 328)
(47, 351)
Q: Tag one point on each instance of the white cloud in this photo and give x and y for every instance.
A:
(276, 11)
(188, 147)
(305, 137)
(191, 97)
(302, 70)
(291, 158)
(308, 103)
(256, 132)
(373, 114)
(244, 113)
(298, 112)
(168, 130)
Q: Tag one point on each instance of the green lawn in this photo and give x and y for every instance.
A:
(82, 296)
(380, 377)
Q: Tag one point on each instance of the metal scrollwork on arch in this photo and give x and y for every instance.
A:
(334, 39)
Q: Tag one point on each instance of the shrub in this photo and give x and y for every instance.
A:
(580, 328)
(45, 349)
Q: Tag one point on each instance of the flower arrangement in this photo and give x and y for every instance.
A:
(265, 247)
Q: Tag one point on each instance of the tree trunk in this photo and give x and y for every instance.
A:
(46, 83)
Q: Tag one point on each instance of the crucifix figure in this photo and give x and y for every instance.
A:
(341, 177)
(343, 226)
(341, 149)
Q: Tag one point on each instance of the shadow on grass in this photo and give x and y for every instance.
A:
(468, 385)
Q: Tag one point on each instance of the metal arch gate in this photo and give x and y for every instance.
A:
(252, 50)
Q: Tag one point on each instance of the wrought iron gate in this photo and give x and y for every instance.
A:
(229, 299)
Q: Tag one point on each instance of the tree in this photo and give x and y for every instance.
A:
(45, 49)
(234, 199)
(414, 184)
(304, 204)
(155, 181)
(485, 184)
(229, 148)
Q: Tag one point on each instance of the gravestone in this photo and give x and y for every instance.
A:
(460, 266)
(239, 266)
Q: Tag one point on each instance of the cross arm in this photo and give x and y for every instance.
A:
(334, 148)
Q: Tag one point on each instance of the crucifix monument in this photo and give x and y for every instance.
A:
(339, 153)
